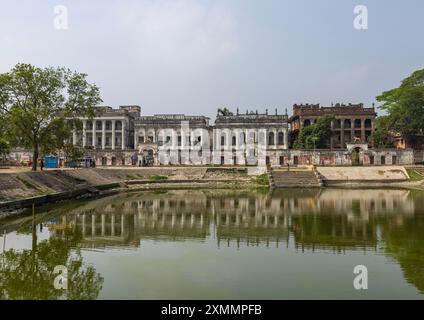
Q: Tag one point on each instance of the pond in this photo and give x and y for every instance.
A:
(213, 244)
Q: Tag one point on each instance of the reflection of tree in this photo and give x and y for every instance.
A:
(28, 274)
(406, 244)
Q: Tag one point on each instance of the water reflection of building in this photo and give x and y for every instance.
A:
(311, 218)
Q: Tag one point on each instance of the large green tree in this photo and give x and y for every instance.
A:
(381, 134)
(28, 273)
(405, 106)
(317, 134)
(40, 106)
(4, 149)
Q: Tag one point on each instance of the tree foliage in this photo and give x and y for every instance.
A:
(318, 132)
(224, 112)
(28, 273)
(72, 152)
(40, 106)
(381, 134)
(405, 106)
(4, 147)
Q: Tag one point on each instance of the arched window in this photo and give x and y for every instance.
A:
(223, 140)
(306, 123)
(280, 138)
(271, 139)
(234, 140)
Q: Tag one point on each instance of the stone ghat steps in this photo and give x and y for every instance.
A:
(295, 179)
(420, 169)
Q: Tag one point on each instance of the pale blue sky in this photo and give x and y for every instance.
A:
(187, 56)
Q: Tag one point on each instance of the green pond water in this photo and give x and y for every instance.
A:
(212, 244)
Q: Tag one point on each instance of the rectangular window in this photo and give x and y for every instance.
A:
(383, 160)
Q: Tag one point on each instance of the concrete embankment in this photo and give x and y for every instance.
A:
(22, 189)
(363, 176)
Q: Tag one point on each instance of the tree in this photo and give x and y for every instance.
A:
(72, 152)
(380, 137)
(4, 148)
(319, 132)
(28, 273)
(405, 106)
(224, 112)
(41, 106)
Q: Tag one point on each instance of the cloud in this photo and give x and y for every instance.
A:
(180, 32)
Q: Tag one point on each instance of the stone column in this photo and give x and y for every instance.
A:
(352, 129)
(362, 130)
(342, 133)
(286, 139)
(84, 133)
(276, 138)
(94, 134)
(123, 135)
(93, 225)
(112, 226)
(113, 134)
(83, 226)
(122, 225)
(103, 225)
(74, 136)
(136, 133)
(103, 134)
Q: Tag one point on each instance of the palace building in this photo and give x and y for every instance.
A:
(242, 138)
(354, 122)
(126, 137)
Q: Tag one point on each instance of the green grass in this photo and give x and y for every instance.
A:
(28, 184)
(130, 177)
(157, 178)
(262, 179)
(414, 175)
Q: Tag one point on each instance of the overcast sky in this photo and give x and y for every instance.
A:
(194, 56)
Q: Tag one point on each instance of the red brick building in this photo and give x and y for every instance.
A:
(354, 122)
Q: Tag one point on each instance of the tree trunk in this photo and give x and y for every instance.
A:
(35, 160)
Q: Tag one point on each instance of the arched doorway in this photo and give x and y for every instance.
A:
(356, 152)
(355, 156)
(148, 158)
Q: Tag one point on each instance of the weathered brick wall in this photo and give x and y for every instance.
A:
(273, 157)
